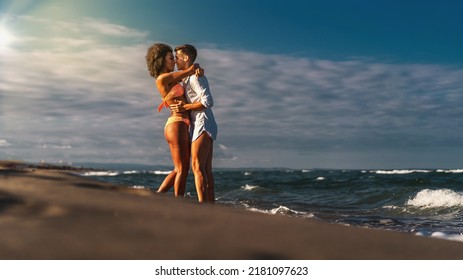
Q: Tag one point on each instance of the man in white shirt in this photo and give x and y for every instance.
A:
(203, 129)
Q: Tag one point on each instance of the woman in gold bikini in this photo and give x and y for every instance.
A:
(161, 63)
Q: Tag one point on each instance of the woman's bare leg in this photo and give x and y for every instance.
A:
(168, 182)
(179, 142)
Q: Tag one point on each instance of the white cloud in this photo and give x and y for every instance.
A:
(4, 143)
(112, 29)
(93, 98)
(86, 27)
(280, 97)
(55, 146)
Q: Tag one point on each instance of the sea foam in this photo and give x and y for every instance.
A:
(450, 171)
(161, 172)
(436, 199)
(282, 210)
(100, 173)
(138, 187)
(401, 171)
(441, 235)
(131, 172)
(249, 187)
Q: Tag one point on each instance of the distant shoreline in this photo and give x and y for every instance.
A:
(93, 166)
(16, 164)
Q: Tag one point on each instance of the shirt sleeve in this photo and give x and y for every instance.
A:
(201, 87)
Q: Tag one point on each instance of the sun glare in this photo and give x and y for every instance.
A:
(5, 37)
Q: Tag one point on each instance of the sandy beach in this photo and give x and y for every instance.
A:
(48, 213)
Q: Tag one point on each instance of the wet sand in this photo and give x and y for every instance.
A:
(48, 212)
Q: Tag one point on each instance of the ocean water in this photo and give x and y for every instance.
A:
(423, 202)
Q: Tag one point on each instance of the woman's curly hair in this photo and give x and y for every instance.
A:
(155, 58)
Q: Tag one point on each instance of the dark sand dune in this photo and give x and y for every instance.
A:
(47, 213)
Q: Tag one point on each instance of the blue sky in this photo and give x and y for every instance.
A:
(300, 84)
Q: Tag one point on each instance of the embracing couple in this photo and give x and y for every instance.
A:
(191, 127)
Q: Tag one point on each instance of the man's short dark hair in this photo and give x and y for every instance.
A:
(188, 50)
